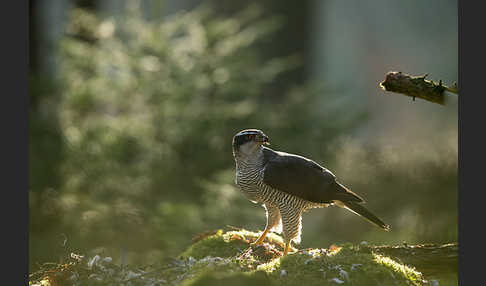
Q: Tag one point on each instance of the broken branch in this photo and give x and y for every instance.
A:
(417, 86)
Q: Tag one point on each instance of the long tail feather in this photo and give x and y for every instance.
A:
(362, 211)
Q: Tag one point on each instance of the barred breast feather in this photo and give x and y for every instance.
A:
(250, 179)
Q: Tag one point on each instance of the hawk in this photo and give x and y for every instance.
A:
(287, 185)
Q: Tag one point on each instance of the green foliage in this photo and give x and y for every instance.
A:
(146, 113)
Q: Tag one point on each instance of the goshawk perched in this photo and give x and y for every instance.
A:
(287, 185)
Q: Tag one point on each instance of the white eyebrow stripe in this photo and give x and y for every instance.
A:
(246, 132)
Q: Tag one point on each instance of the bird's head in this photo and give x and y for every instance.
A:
(248, 141)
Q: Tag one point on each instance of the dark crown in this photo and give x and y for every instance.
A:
(247, 135)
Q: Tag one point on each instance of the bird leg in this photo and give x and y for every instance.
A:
(245, 253)
(262, 237)
(273, 220)
(287, 247)
(292, 225)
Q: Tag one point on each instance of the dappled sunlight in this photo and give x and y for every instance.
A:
(406, 271)
(145, 112)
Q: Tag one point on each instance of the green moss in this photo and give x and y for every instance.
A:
(344, 264)
(227, 244)
(404, 270)
(234, 279)
(216, 245)
(225, 258)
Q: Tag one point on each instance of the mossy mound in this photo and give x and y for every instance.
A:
(234, 279)
(344, 264)
(233, 243)
(227, 258)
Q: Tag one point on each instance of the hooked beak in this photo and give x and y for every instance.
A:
(265, 140)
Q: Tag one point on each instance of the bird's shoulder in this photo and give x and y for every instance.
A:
(278, 159)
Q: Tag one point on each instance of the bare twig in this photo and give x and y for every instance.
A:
(417, 86)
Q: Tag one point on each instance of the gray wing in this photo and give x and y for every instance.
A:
(303, 178)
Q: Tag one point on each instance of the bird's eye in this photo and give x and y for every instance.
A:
(251, 136)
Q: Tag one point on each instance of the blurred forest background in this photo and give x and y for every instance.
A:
(133, 105)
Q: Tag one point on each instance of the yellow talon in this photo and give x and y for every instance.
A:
(287, 247)
(261, 238)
